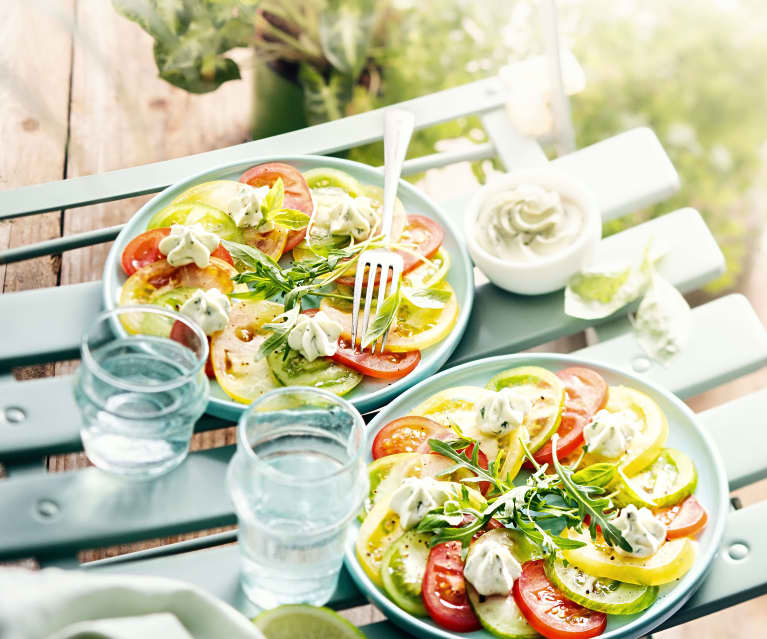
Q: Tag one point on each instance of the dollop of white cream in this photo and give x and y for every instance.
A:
(527, 222)
(315, 336)
(644, 533)
(499, 413)
(492, 569)
(338, 213)
(210, 309)
(609, 434)
(245, 206)
(188, 244)
(416, 496)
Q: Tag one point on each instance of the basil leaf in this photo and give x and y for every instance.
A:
(290, 219)
(346, 31)
(426, 297)
(596, 475)
(273, 199)
(383, 319)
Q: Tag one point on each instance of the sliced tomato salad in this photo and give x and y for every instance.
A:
(230, 211)
(144, 249)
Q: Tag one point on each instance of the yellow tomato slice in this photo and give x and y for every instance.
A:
(649, 441)
(216, 193)
(415, 329)
(458, 405)
(239, 370)
(272, 243)
(672, 561)
(382, 525)
(158, 278)
(428, 274)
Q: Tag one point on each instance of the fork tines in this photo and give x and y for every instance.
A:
(373, 260)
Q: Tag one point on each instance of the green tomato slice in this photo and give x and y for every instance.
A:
(322, 178)
(599, 593)
(172, 299)
(665, 482)
(215, 221)
(499, 614)
(402, 570)
(294, 369)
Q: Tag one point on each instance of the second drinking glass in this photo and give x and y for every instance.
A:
(297, 480)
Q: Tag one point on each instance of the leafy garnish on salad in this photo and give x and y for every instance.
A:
(551, 503)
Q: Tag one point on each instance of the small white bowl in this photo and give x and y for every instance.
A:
(549, 273)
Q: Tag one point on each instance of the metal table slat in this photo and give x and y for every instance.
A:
(500, 323)
(46, 324)
(51, 426)
(96, 509)
(625, 156)
(468, 99)
(693, 259)
(742, 351)
(738, 428)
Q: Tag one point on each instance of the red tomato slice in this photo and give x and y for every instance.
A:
(422, 231)
(549, 612)
(145, 249)
(444, 589)
(585, 394)
(297, 193)
(405, 435)
(684, 519)
(385, 365)
(389, 366)
(181, 333)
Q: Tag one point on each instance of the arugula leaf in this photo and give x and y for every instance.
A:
(595, 508)
(280, 327)
(383, 319)
(426, 297)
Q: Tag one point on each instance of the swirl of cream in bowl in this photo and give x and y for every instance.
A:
(528, 222)
(530, 231)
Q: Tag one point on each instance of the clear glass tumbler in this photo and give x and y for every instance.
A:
(297, 480)
(141, 386)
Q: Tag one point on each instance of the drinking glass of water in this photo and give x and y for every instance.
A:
(141, 386)
(297, 480)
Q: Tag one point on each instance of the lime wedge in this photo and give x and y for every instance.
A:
(299, 621)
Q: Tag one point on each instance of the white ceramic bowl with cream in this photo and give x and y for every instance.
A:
(546, 272)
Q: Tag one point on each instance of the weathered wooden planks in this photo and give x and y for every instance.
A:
(33, 128)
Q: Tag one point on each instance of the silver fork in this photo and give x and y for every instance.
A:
(398, 128)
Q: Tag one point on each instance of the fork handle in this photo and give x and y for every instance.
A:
(398, 129)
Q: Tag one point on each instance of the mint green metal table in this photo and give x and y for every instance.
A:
(52, 516)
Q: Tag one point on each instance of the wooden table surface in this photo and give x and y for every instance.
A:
(79, 94)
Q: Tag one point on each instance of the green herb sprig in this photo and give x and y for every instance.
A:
(553, 502)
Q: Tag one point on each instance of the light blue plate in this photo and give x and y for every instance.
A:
(684, 434)
(370, 394)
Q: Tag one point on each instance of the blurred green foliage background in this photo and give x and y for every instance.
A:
(694, 71)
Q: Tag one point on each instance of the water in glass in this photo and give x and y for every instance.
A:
(295, 491)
